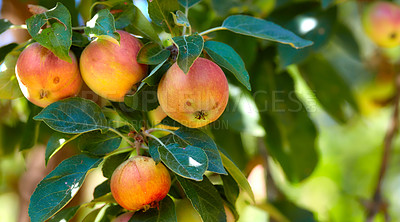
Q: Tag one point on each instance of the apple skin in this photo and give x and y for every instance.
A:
(197, 98)
(185, 212)
(44, 78)
(123, 217)
(139, 183)
(109, 69)
(381, 22)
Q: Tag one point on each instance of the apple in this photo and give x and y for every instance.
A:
(197, 98)
(44, 78)
(123, 217)
(381, 22)
(185, 212)
(140, 183)
(111, 70)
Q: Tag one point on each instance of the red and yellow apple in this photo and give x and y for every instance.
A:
(197, 98)
(381, 22)
(185, 212)
(111, 70)
(140, 183)
(123, 217)
(44, 78)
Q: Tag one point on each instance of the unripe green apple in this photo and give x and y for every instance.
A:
(111, 70)
(381, 22)
(44, 78)
(123, 217)
(140, 183)
(197, 98)
(185, 212)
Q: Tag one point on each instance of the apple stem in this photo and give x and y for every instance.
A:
(213, 30)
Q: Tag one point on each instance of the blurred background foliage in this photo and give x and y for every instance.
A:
(309, 136)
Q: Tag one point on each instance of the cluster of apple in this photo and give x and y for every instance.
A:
(111, 70)
(381, 22)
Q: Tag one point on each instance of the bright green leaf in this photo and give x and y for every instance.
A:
(134, 21)
(102, 24)
(164, 213)
(58, 37)
(188, 3)
(9, 88)
(56, 142)
(73, 115)
(99, 144)
(259, 28)
(4, 25)
(235, 172)
(65, 214)
(190, 48)
(145, 98)
(180, 19)
(157, 73)
(204, 198)
(226, 57)
(160, 13)
(152, 54)
(59, 187)
(189, 162)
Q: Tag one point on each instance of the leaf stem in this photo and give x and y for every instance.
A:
(213, 30)
(154, 137)
(184, 27)
(79, 28)
(18, 27)
(123, 137)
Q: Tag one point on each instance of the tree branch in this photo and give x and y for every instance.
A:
(378, 203)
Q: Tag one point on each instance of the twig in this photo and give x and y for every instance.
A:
(378, 203)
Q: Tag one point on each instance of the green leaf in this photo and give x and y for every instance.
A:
(344, 37)
(235, 172)
(164, 213)
(328, 86)
(190, 48)
(204, 198)
(73, 115)
(79, 39)
(157, 73)
(102, 24)
(189, 162)
(231, 188)
(152, 54)
(320, 34)
(60, 186)
(58, 37)
(326, 3)
(9, 88)
(226, 57)
(145, 98)
(259, 28)
(112, 162)
(134, 21)
(180, 19)
(31, 130)
(99, 144)
(102, 189)
(4, 50)
(200, 139)
(92, 216)
(65, 214)
(4, 25)
(133, 117)
(56, 142)
(188, 3)
(160, 13)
